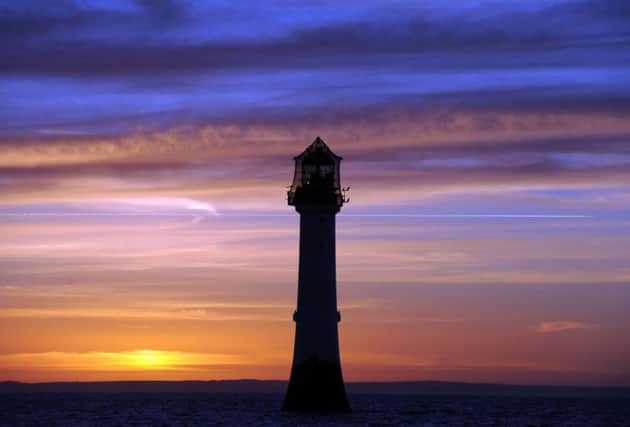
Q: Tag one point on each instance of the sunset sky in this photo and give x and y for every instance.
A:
(146, 147)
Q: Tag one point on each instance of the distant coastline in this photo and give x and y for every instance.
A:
(434, 388)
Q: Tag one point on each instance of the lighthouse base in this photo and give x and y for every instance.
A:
(316, 387)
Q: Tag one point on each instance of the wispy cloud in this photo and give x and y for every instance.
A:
(489, 166)
(170, 203)
(207, 312)
(124, 68)
(563, 325)
(246, 166)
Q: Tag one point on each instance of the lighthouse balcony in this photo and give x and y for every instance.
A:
(310, 195)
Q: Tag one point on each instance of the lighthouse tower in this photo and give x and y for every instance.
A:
(316, 382)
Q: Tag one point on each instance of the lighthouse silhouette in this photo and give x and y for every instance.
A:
(316, 383)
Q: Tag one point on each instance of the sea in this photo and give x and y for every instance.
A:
(251, 409)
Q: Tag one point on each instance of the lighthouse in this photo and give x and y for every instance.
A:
(316, 383)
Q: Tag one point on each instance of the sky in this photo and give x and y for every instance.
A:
(146, 147)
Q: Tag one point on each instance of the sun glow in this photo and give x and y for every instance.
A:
(149, 359)
(134, 360)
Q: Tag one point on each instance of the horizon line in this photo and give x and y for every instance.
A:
(416, 381)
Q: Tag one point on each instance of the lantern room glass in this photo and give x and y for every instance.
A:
(316, 180)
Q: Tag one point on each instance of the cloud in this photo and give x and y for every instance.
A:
(147, 66)
(124, 41)
(458, 108)
(205, 313)
(170, 203)
(563, 325)
(394, 155)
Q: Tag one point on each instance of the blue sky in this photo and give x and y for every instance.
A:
(86, 66)
(146, 146)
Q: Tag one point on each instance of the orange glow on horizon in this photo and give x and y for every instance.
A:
(161, 299)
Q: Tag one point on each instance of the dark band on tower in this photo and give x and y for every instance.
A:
(316, 382)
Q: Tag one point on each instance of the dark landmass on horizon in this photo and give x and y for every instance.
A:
(434, 388)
